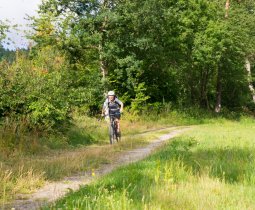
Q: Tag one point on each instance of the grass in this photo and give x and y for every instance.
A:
(84, 147)
(30, 161)
(210, 167)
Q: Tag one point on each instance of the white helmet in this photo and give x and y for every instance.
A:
(111, 93)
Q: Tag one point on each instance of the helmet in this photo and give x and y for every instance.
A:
(111, 93)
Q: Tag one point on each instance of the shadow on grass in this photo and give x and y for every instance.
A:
(78, 137)
(14, 143)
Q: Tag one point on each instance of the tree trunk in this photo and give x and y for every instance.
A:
(248, 69)
(219, 76)
(203, 89)
(227, 8)
(219, 91)
(103, 67)
(103, 28)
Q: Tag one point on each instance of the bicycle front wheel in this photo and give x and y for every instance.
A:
(111, 133)
(116, 133)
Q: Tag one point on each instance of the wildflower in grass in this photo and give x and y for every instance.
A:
(93, 173)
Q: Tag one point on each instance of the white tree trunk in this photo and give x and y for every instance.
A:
(217, 108)
(101, 61)
(227, 8)
(248, 69)
(103, 67)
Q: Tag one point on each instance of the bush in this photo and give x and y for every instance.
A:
(34, 94)
(139, 102)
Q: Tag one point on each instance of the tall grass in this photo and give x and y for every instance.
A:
(21, 181)
(84, 148)
(211, 167)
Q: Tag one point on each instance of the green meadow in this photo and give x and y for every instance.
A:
(211, 166)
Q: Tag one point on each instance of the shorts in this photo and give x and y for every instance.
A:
(116, 115)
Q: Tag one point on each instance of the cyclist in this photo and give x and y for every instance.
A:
(113, 106)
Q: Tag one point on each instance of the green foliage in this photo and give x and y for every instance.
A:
(40, 91)
(32, 94)
(6, 54)
(139, 102)
(174, 48)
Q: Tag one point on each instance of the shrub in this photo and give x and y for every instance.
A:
(33, 93)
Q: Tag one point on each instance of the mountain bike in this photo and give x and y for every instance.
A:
(113, 129)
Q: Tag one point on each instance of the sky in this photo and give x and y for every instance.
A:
(15, 11)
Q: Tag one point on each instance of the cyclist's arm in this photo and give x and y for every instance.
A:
(121, 105)
(104, 108)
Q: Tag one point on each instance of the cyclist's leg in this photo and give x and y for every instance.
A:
(117, 119)
(118, 124)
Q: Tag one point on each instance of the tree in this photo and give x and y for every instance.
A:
(3, 29)
(186, 52)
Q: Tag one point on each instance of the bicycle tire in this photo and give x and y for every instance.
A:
(115, 132)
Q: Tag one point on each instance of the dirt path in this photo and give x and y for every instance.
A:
(53, 191)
